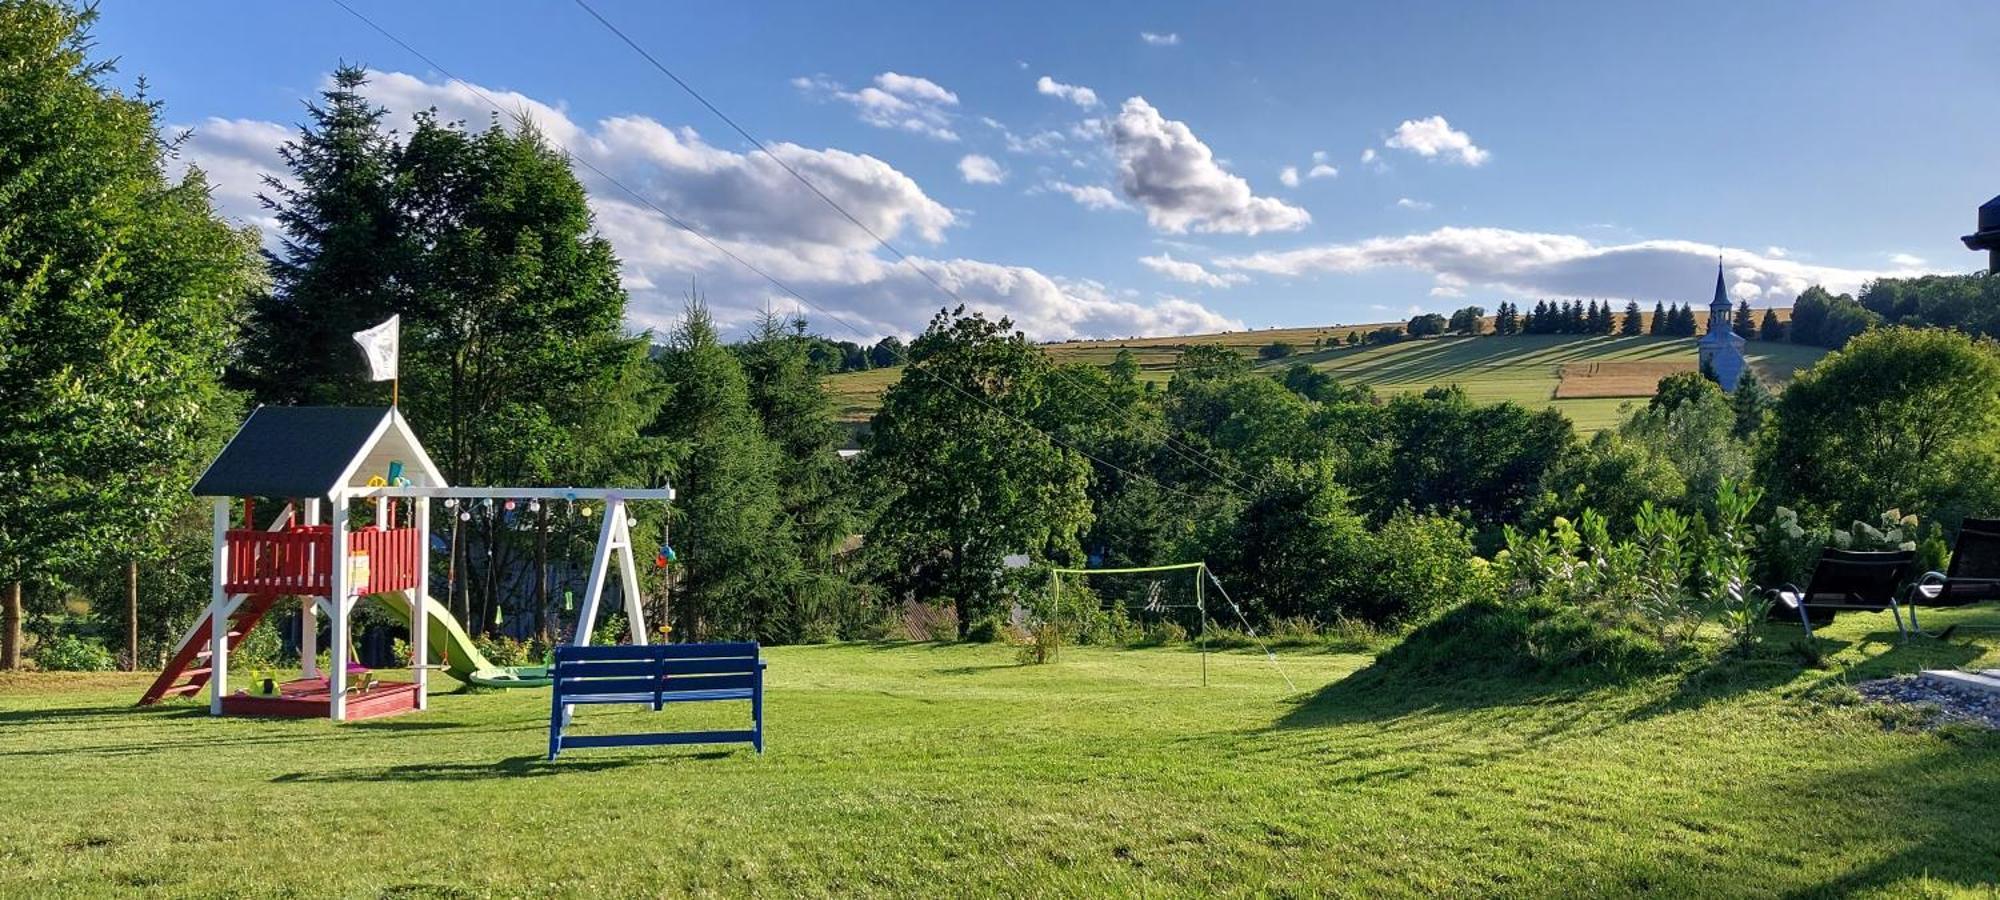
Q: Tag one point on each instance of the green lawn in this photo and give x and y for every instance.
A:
(1522, 368)
(943, 770)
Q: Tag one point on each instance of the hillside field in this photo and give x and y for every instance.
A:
(952, 770)
(1527, 369)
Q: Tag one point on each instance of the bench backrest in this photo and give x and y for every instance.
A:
(1976, 553)
(1862, 578)
(653, 668)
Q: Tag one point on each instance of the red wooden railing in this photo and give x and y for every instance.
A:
(297, 560)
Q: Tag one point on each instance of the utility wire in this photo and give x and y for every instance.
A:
(1186, 452)
(677, 222)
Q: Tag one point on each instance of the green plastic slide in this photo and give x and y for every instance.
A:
(462, 660)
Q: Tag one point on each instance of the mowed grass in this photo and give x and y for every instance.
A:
(1525, 369)
(949, 770)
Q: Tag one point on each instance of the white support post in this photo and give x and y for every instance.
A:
(337, 590)
(218, 612)
(420, 614)
(635, 610)
(600, 567)
(309, 608)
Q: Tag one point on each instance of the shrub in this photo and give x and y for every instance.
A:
(1417, 564)
(262, 648)
(1276, 350)
(69, 653)
(506, 651)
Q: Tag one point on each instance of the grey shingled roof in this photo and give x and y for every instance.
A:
(291, 451)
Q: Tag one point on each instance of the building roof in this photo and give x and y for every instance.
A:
(311, 451)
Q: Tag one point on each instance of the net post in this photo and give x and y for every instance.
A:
(1201, 607)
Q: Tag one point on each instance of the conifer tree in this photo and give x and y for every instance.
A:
(341, 247)
(1634, 323)
(1744, 325)
(737, 548)
(1659, 323)
(792, 402)
(1771, 329)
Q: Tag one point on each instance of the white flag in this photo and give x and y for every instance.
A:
(379, 345)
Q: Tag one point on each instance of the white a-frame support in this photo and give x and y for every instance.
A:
(614, 537)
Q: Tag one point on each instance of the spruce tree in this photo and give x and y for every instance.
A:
(814, 483)
(1744, 325)
(1771, 329)
(341, 247)
(738, 556)
(1659, 324)
(1634, 323)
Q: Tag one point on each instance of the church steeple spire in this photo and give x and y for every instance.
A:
(1718, 309)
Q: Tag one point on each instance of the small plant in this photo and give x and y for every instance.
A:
(1044, 640)
(1726, 569)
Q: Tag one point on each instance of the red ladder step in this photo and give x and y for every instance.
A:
(196, 648)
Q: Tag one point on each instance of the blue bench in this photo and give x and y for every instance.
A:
(656, 675)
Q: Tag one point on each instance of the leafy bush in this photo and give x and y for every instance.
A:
(262, 648)
(1276, 350)
(1417, 565)
(69, 653)
(506, 651)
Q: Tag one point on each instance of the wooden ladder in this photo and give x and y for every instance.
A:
(191, 661)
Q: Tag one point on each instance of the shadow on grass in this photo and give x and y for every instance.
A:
(513, 767)
(123, 711)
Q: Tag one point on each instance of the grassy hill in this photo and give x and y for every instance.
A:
(1603, 373)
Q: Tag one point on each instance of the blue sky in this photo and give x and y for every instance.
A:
(1466, 153)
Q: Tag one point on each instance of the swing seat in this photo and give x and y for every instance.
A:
(656, 675)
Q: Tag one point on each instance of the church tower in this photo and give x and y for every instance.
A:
(1721, 349)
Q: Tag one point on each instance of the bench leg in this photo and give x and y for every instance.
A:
(555, 723)
(757, 715)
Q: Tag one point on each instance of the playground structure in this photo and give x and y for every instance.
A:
(323, 461)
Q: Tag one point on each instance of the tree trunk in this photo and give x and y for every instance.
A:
(132, 615)
(10, 629)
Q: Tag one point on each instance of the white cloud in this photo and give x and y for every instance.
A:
(914, 88)
(1905, 260)
(236, 154)
(1408, 203)
(1170, 173)
(1077, 94)
(1560, 265)
(1322, 170)
(1289, 176)
(754, 209)
(1368, 156)
(977, 169)
(1434, 137)
(1089, 196)
(1776, 252)
(1170, 39)
(894, 101)
(1190, 272)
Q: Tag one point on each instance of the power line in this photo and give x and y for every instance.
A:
(677, 222)
(1185, 451)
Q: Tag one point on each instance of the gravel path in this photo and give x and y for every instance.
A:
(1953, 704)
